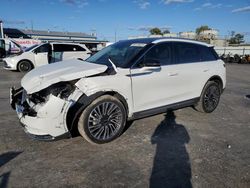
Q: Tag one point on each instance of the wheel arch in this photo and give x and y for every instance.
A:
(199, 105)
(74, 111)
(218, 80)
(17, 65)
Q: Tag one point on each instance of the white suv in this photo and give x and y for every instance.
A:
(128, 80)
(44, 54)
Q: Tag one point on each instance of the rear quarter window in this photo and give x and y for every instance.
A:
(208, 53)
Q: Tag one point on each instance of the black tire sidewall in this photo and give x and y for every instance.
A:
(28, 63)
(209, 84)
(87, 112)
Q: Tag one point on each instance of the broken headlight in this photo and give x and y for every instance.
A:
(61, 89)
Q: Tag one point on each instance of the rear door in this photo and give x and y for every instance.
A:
(193, 71)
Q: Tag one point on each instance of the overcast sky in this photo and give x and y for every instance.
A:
(127, 17)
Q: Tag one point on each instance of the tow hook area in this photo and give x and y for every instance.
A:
(17, 97)
(49, 121)
(41, 118)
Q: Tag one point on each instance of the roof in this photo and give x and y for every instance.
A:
(181, 40)
(166, 39)
(26, 33)
(142, 40)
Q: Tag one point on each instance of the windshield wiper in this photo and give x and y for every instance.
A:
(113, 65)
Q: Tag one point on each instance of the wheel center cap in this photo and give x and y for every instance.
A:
(105, 120)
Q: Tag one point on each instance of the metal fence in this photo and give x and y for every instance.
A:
(233, 50)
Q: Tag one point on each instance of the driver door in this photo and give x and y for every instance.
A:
(155, 86)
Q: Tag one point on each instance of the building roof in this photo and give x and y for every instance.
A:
(27, 33)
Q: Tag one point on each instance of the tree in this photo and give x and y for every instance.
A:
(202, 28)
(166, 31)
(236, 38)
(232, 34)
(155, 31)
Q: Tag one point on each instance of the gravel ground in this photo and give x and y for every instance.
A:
(183, 149)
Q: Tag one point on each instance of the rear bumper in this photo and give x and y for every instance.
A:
(45, 123)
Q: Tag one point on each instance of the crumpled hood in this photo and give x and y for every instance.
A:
(46, 75)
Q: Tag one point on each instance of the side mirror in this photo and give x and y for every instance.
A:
(151, 63)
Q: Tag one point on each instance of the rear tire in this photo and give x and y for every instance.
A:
(210, 98)
(103, 120)
(25, 66)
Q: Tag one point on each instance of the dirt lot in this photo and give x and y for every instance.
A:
(184, 149)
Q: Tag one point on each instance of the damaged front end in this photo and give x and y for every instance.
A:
(43, 114)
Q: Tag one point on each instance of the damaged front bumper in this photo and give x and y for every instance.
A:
(8, 65)
(42, 121)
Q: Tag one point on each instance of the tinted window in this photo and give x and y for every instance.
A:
(161, 53)
(186, 52)
(78, 48)
(67, 48)
(207, 53)
(43, 48)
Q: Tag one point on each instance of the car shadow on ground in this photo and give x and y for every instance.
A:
(5, 158)
(171, 166)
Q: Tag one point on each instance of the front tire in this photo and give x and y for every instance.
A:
(25, 66)
(210, 97)
(103, 120)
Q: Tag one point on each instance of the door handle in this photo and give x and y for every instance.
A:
(151, 69)
(206, 70)
(172, 74)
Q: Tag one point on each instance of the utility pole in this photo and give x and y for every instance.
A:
(1, 29)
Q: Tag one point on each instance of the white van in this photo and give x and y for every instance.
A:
(45, 53)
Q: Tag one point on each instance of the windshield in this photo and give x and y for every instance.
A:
(119, 53)
(30, 48)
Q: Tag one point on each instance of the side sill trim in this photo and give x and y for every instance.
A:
(162, 109)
